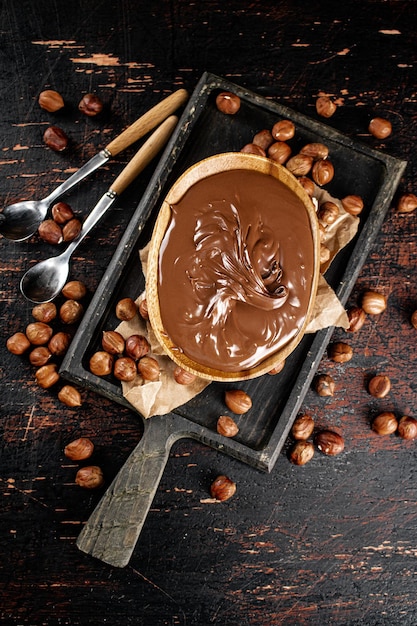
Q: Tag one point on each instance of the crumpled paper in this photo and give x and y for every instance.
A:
(165, 395)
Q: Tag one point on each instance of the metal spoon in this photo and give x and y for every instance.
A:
(20, 220)
(45, 280)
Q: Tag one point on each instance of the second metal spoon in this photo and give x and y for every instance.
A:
(45, 280)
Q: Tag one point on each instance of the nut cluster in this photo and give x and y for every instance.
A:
(302, 451)
(371, 303)
(312, 166)
(46, 345)
(386, 423)
(125, 358)
(62, 226)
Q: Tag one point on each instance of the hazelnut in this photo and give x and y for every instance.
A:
(113, 342)
(324, 385)
(279, 152)
(137, 346)
(45, 312)
(302, 427)
(380, 127)
(71, 229)
(373, 302)
(71, 311)
(59, 343)
(301, 453)
(329, 442)
(74, 290)
(299, 164)
(90, 105)
(39, 333)
(252, 148)
(79, 449)
(407, 427)
(413, 319)
(40, 356)
(101, 363)
(222, 488)
(143, 309)
(55, 138)
(47, 375)
(328, 213)
(50, 100)
(70, 396)
(125, 369)
(340, 352)
(18, 343)
(228, 102)
(148, 368)
(61, 213)
(308, 185)
(385, 423)
(316, 150)
(50, 232)
(379, 386)
(237, 401)
(407, 203)
(325, 106)
(227, 426)
(90, 477)
(322, 172)
(277, 369)
(126, 309)
(352, 204)
(182, 377)
(357, 318)
(283, 130)
(263, 139)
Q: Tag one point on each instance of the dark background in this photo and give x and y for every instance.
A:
(333, 542)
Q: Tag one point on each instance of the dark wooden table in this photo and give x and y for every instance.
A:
(333, 542)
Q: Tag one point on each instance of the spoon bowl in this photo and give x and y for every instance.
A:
(45, 280)
(21, 219)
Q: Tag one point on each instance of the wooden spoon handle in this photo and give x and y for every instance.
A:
(144, 155)
(148, 121)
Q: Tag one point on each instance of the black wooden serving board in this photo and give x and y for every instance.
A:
(204, 131)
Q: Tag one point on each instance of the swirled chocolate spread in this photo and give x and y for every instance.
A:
(235, 269)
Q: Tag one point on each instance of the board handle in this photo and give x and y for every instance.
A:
(113, 528)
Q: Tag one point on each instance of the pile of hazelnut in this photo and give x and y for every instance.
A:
(63, 226)
(45, 346)
(125, 358)
(312, 160)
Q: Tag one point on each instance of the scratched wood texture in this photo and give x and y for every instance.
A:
(333, 542)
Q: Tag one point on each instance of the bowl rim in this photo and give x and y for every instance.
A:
(202, 169)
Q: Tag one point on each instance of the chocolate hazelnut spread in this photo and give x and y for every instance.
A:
(236, 268)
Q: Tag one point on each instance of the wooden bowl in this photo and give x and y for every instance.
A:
(202, 169)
